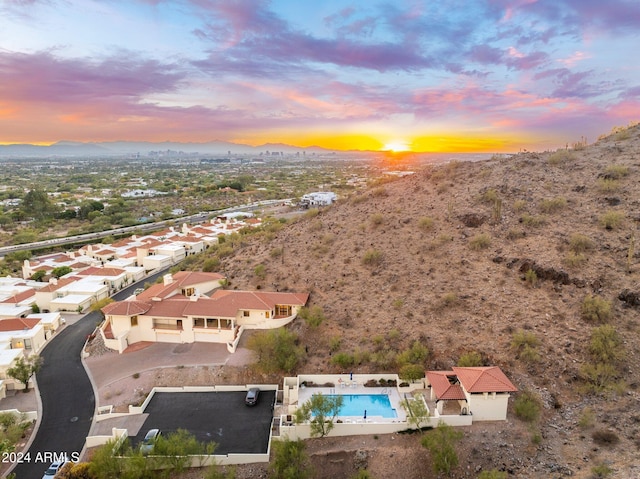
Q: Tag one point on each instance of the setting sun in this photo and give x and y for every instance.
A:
(397, 146)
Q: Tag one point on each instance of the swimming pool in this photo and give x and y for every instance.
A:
(374, 404)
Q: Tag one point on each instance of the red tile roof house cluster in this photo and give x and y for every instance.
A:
(179, 311)
(482, 392)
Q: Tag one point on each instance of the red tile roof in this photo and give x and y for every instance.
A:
(55, 287)
(18, 324)
(16, 298)
(126, 308)
(484, 380)
(444, 389)
(95, 271)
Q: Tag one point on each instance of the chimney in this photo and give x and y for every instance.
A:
(167, 279)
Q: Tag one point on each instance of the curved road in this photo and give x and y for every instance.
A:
(68, 401)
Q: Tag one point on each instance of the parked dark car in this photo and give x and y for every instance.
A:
(251, 398)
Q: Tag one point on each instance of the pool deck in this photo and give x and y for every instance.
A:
(352, 387)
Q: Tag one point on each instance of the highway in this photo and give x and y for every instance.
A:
(143, 228)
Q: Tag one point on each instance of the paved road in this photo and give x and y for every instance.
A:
(68, 402)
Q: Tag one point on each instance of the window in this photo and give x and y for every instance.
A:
(27, 344)
(246, 314)
(267, 314)
(198, 322)
(212, 323)
(188, 291)
(134, 320)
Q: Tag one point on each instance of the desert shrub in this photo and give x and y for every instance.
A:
(616, 171)
(611, 220)
(379, 192)
(527, 406)
(489, 196)
(334, 344)
(560, 157)
(260, 271)
(579, 243)
(312, 213)
(480, 241)
(470, 359)
(594, 308)
(599, 377)
(532, 221)
(587, 418)
(411, 372)
(519, 205)
(276, 350)
(313, 316)
(440, 442)
(604, 437)
(606, 345)
(574, 259)
(553, 205)
(448, 300)
(290, 460)
(416, 354)
(210, 265)
(344, 360)
(493, 474)
(398, 303)
(514, 234)
(376, 219)
(525, 344)
(224, 250)
(425, 223)
(316, 225)
(531, 277)
(357, 199)
(608, 185)
(601, 471)
(384, 359)
(276, 252)
(372, 257)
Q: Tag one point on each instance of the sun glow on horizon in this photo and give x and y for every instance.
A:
(397, 146)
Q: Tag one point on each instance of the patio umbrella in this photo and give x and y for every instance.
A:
(365, 414)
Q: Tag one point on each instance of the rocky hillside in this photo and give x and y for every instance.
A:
(522, 259)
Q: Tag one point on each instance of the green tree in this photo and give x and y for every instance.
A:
(176, 448)
(321, 411)
(60, 271)
(441, 444)
(289, 461)
(36, 203)
(470, 359)
(411, 372)
(276, 350)
(417, 411)
(38, 275)
(24, 369)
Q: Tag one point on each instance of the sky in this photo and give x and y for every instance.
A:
(448, 75)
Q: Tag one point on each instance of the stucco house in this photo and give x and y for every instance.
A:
(23, 333)
(178, 311)
(482, 392)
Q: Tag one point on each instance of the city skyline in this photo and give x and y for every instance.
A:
(448, 76)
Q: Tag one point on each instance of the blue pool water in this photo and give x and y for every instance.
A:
(374, 404)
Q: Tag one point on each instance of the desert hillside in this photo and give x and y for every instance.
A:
(495, 257)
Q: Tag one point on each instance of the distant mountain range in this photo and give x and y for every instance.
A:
(144, 148)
